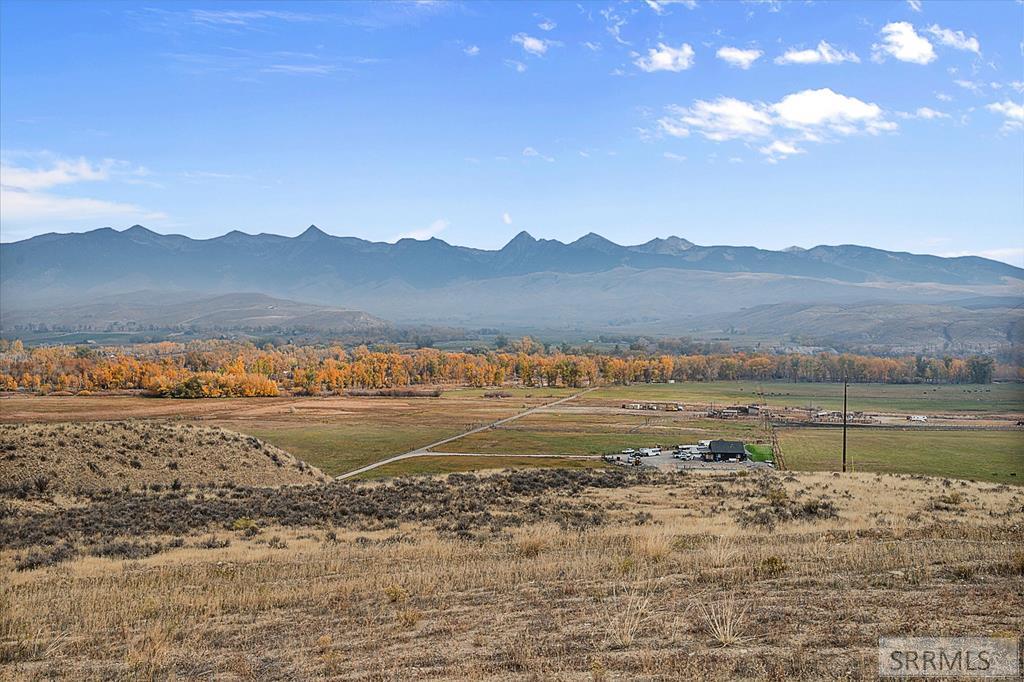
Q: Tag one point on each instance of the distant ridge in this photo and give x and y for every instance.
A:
(590, 283)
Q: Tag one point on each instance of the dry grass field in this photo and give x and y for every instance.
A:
(72, 458)
(544, 574)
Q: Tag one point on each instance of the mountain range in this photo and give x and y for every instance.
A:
(666, 285)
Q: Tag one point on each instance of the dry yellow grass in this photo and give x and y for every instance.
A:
(670, 584)
(74, 458)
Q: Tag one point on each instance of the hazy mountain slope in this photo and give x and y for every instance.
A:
(875, 326)
(106, 261)
(591, 283)
(229, 311)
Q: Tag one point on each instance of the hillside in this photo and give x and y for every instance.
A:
(237, 311)
(75, 458)
(874, 327)
(579, 575)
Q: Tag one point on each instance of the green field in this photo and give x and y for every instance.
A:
(446, 465)
(978, 455)
(336, 449)
(571, 433)
(924, 398)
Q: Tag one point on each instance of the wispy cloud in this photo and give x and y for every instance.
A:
(958, 40)
(248, 17)
(824, 53)
(28, 181)
(435, 228)
(537, 47)
(662, 6)
(1012, 112)
(738, 57)
(665, 58)
(530, 152)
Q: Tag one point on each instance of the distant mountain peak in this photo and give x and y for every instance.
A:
(794, 249)
(670, 246)
(312, 232)
(140, 230)
(523, 237)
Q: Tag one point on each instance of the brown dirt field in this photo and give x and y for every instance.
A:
(75, 458)
(541, 575)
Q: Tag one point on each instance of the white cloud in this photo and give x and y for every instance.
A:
(547, 25)
(915, 5)
(614, 25)
(823, 54)
(530, 152)
(666, 58)
(973, 86)
(300, 69)
(738, 57)
(943, 97)
(24, 199)
(17, 206)
(806, 116)
(672, 126)
(1017, 85)
(725, 118)
(956, 39)
(513, 64)
(535, 46)
(929, 113)
(672, 156)
(435, 228)
(780, 150)
(247, 17)
(823, 107)
(506, 218)
(59, 172)
(901, 41)
(472, 50)
(660, 6)
(593, 47)
(1012, 112)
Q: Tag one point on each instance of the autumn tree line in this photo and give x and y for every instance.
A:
(227, 369)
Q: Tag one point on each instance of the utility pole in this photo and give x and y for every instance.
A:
(845, 384)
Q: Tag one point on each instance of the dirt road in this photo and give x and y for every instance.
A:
(425, 450)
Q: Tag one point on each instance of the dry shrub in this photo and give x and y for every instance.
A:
(725, 621)
(654, 546)
(626, 614)
(531, 541)
(396, 594)
(409, 617)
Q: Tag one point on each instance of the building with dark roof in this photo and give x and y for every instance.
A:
(721, 450)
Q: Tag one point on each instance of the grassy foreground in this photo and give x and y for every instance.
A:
(575, 575)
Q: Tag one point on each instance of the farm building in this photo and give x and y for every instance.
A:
(722, 450)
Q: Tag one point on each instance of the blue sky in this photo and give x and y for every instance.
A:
(892, 124)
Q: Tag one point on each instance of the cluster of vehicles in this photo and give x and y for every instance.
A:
(634, 457)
